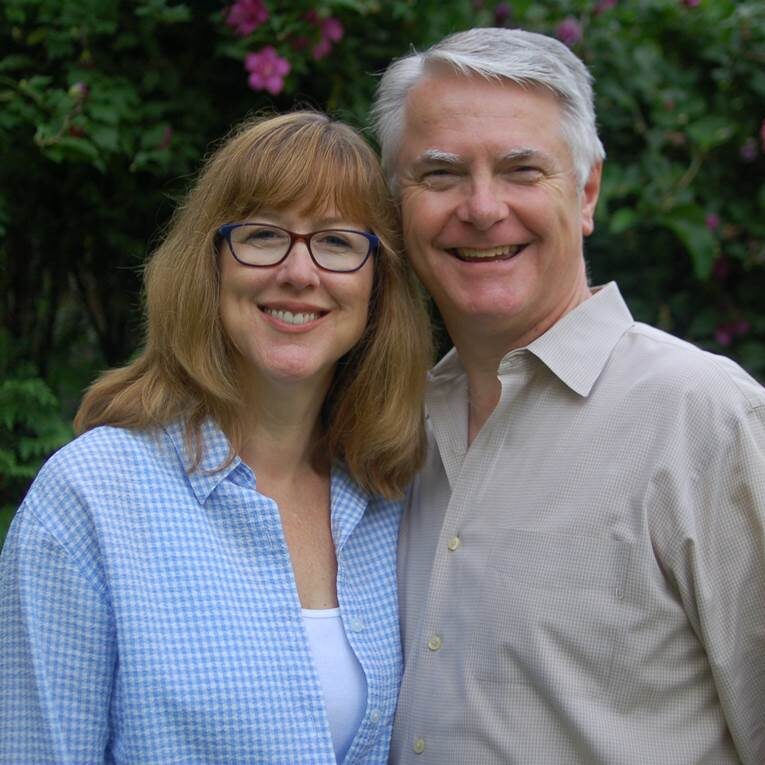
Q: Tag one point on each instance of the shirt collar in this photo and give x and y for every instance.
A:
(215, 452)
(349, 503)
(577, 348)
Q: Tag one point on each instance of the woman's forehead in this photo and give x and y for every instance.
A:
(320, 209)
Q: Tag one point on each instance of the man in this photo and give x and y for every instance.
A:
(582, 568)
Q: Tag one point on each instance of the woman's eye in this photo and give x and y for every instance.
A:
(263, 237)
(334, 241)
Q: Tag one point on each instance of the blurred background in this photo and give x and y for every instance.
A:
(108, 106)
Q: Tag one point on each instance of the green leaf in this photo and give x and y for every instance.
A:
(68, 147)
(698, 240)
(622, 219)
(16, 61)
(105, 137)
(710, 132)
(104, 112)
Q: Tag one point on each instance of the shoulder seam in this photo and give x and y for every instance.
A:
(97, 586)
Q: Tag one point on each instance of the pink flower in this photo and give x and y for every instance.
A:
(723, 335)
(245, 16)
(267, 70)
(712, 221)
(748, 150)
(321, 49)
(569, 31)
(502, 13)
(726, 333)
(332, 29)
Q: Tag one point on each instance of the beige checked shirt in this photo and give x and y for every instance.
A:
(586, 582)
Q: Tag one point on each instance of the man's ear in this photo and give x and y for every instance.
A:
(589, 199)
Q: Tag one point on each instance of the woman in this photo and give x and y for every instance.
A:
(207, 574)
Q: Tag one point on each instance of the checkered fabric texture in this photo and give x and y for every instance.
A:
(151, 616)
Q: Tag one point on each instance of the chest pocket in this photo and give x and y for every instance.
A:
(551, 612)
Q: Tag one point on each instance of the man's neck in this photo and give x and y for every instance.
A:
(482, 350)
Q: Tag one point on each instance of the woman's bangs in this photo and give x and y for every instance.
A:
(315, 179)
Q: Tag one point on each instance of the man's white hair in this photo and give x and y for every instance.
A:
(524, 58)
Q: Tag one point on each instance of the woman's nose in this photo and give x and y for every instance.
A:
(298, 268)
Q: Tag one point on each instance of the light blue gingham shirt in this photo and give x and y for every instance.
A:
(149, 615)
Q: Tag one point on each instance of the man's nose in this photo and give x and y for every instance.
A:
(298, 268)
(483, 205)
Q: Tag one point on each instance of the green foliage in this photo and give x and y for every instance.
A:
(680, 98)
(107, 106)
(31, 427)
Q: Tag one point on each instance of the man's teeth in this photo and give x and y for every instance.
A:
(291, 318)
(492, 252)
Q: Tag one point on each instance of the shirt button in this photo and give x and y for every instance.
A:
(453, 543)
(434, 643)
(419, 745)
(357, 625)
(374, 715)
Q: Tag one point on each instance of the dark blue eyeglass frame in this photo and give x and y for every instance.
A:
(224, 232)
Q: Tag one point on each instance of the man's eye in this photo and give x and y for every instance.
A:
(526, 170)
(438, 176)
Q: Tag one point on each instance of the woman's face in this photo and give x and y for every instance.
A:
(292, 322)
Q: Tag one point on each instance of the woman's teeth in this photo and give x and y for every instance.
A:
(291, 318)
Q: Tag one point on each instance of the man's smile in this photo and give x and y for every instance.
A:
(501, 252)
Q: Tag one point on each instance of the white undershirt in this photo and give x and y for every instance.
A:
(341, 676)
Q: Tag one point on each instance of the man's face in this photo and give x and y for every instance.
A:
(493, 219)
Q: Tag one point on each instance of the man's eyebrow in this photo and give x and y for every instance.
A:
(430, 156)
(520, 154)
(523, 153)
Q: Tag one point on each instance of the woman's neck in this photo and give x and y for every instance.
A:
(281, 429)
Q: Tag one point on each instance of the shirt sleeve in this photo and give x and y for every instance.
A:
(719, 566)
(57, 651)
